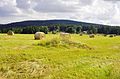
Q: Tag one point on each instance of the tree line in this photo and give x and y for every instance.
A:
(54, 28)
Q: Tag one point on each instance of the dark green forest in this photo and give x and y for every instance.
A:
(60, 26)
(64, 28)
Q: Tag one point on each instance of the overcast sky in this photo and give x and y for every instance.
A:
(95, 11)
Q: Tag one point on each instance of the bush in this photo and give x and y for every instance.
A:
(71, 30)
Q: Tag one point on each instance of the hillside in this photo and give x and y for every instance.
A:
(70, 26)
(46, 23)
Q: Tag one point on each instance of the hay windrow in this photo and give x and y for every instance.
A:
(26, 69)
(57, 42)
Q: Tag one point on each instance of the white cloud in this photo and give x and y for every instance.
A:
(23, 4)
(7, 8)
(100, 10)
(96, 11)
(54, 6)
(86, 2)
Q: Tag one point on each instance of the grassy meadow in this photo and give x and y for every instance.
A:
(22, 58)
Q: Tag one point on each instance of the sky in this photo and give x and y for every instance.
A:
(93, 11)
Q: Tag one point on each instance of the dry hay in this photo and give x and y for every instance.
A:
(27, 69)
(56, 42)
(39, 35)
(10, 32)
(2, 78)
(6, 37)
(85, 32)
(65, 36)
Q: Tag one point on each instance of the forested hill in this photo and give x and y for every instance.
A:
(46, 23)
(32, 26)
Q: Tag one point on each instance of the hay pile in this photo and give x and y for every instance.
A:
(85, 32)
(39, 35)
(57, 42)
(10, 32)
(65, 36)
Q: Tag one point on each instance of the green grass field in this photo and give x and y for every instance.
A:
(22, 58)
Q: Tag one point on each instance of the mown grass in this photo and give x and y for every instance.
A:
(22, 58)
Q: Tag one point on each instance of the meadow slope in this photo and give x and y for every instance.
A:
(22, 58)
